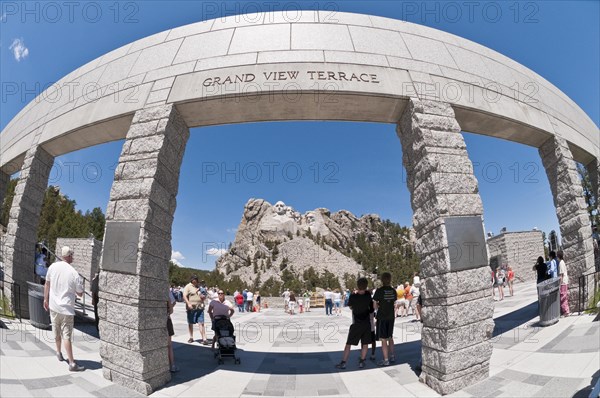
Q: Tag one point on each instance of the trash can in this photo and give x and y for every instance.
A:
(38, 316)
(549, 301)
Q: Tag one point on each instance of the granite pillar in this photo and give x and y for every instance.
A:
(457, 305)
(24, 218)
(571, 210)
(134, 276)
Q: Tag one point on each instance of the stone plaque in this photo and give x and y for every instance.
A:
(121, 246)
(466, 242)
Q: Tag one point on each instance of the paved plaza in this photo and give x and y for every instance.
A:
(283, 355)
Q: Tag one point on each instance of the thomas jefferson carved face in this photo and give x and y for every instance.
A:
(310, 218)
(280, 208)
(289, 211)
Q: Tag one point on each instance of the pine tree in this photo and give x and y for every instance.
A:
(5, 206)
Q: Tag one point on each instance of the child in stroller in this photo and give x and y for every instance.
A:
(220, 311)
(224, 334)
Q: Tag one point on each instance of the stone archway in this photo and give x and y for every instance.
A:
(362, 68)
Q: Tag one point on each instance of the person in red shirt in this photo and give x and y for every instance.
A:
(511, 276)
(239, 301)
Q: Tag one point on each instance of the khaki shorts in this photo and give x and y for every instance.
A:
(401, 303)
(62, 325)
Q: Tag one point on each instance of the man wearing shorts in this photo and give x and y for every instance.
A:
(194, 305)
(384, 299)
(362, 307)
(62, 284)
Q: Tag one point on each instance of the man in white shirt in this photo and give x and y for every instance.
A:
(328, 301)
(286, 299)
(62, 284)
(564, 284)
(249, 300)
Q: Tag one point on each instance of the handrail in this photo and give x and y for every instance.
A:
(84, 293)
(583, 299)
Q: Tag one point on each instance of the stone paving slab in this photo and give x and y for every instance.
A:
(285, 355)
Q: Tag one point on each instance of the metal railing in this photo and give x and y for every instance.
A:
(85, 293)
(7, 310)
(588, 291)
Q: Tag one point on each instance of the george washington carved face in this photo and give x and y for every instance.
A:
(280, 208)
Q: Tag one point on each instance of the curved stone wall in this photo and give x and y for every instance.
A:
(320, 66)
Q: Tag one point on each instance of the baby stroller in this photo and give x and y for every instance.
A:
(225, 339)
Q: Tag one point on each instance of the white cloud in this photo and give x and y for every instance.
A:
(216, 252)
(19, 50)
(231, 230)
(3, 17)
(176, 257)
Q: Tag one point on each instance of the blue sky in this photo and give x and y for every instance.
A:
(353, 166)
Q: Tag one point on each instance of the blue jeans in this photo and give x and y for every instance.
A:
(328, 306)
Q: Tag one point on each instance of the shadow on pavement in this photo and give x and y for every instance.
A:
(515, 319)
(585, 392)
(87, 328)
(89, 365)
(197, 361)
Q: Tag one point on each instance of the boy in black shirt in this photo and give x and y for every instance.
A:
(362, 307)
(384, 299)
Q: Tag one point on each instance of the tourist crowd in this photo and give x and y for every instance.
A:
(554, 267)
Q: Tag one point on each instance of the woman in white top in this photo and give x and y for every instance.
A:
(337, 302)
(292, 302)
(415, 291)
(564, 284)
